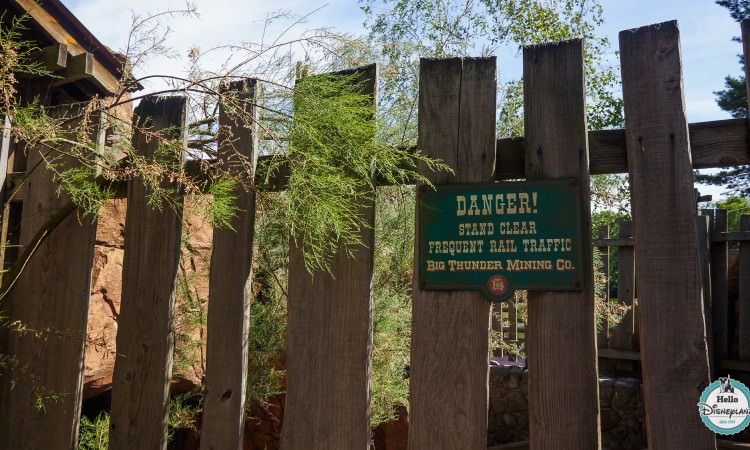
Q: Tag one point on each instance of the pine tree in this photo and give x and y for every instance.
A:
(733, 99)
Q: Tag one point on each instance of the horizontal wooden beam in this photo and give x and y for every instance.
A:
(612, 242)
(612, 353)
(733, 236)
(729, 445)
(724, 364)
(733, 364)
(78, 67)
(52, 58)
(104, 79)
(520, 445)
(720, 143)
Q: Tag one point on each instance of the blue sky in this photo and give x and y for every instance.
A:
(706, 31)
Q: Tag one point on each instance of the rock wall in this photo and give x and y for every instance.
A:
(106, 289)
(621, 403)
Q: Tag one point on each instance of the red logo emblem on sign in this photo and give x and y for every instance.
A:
(497, 284)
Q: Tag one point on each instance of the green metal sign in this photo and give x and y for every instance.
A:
(499, 237)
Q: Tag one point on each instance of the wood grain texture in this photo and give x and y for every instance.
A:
(719, 287)
(143, 367)
(329, 342)
(745, 27)
(720, 143)
(230, 284)
(561, 331)
(625, 289)
(744, 293)
(625, 330)
(672, 329)
(50, 296)
(450, 337)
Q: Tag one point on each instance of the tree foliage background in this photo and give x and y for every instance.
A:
(733, 99)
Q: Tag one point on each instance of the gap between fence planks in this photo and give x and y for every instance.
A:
(561, 329)
(602, 335)
(672, 330)
(230, 280)
(143, 366)
(50, 301)
(450, 337)
(329, 340)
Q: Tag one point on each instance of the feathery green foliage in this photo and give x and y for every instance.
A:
(94, 434)
(267, 329)
(392, 283)
(334, 157)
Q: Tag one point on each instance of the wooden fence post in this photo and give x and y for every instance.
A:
(329, 342)
(744, 293)
(143, 367)
(625, 294)
(49, 305)
(449, 343)
(719, 287)
(561, 336)
(672, 330)
(230, 279)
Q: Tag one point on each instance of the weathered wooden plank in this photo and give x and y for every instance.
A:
(744, 293)
(672, 330)
(732, 364)
(449, 343)
(745, 27)
(723, 364)
(720, 143)
(564, 408)
(53, 57)
(143, 367)
(735, 236)
(78, 67)
(614, 353)
(513, 323)
(48, 312)
(56, 31)
(602, 340)
(230, 281)
(703, 227)
(4, 153)
(625, 289)
(719, 287)
(329, 342)
(613, 242)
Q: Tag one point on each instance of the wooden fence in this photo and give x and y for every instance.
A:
(725, 261)
(330, 315)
